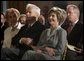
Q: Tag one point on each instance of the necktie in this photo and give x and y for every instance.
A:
(69, 28)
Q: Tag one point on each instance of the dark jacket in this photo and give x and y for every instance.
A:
(74, 38)
(33, 32)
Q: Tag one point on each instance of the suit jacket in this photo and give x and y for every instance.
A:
(31, 32)
(74, 38)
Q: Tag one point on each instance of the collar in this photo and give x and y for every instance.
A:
(57, 27)
(16, 26)
(20, 25)
(31, 24)
(52, 32)
(76, 21)
(73, 23)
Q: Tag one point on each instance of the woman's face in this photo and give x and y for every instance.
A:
(53, 20)
(11, 19)
(23, 20)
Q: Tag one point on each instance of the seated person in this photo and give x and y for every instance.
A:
(74, 28)
(4, 25)
(12, 16)
(22, 20)
(42, 19)
(31, 31)
(52, 41)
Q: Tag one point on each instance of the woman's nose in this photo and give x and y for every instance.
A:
(28, 14)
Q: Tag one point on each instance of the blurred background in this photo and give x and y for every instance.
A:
(44, 5)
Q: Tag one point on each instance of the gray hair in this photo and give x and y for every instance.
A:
(75, 8)
(61, 14)
(34, 7)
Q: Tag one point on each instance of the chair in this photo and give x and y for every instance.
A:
(64, 53)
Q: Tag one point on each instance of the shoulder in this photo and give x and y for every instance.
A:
(61, 31)
(79, 25)
(23, 27)
(45, 31)
(7, 29)
(39, 25)
(79, 22)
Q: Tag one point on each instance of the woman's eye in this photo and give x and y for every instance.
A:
(52, 15)
(10, 16)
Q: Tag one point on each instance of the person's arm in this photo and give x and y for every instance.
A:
(42, 38)
(62, 40)
(17, 37)
(50, 51)
(40, 45)
(26, 41)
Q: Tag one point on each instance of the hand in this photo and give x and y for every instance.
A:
(23, 40)
(26, 41)
(29, 41)
(78, 50)
(36, 48)
(50, 51)
(38, 51)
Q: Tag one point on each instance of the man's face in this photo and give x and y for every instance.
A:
(31, 16)
(72, 15)
(30, 12)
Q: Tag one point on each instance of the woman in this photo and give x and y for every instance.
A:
(52, 41)
(12, 16)
(22, 21)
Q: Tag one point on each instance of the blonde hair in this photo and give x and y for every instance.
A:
(13, 10)
(75, 9)
(60, 13)
(34, 8)
(22, 15)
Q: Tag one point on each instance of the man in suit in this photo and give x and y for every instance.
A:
(75, 32)
(30, 32)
